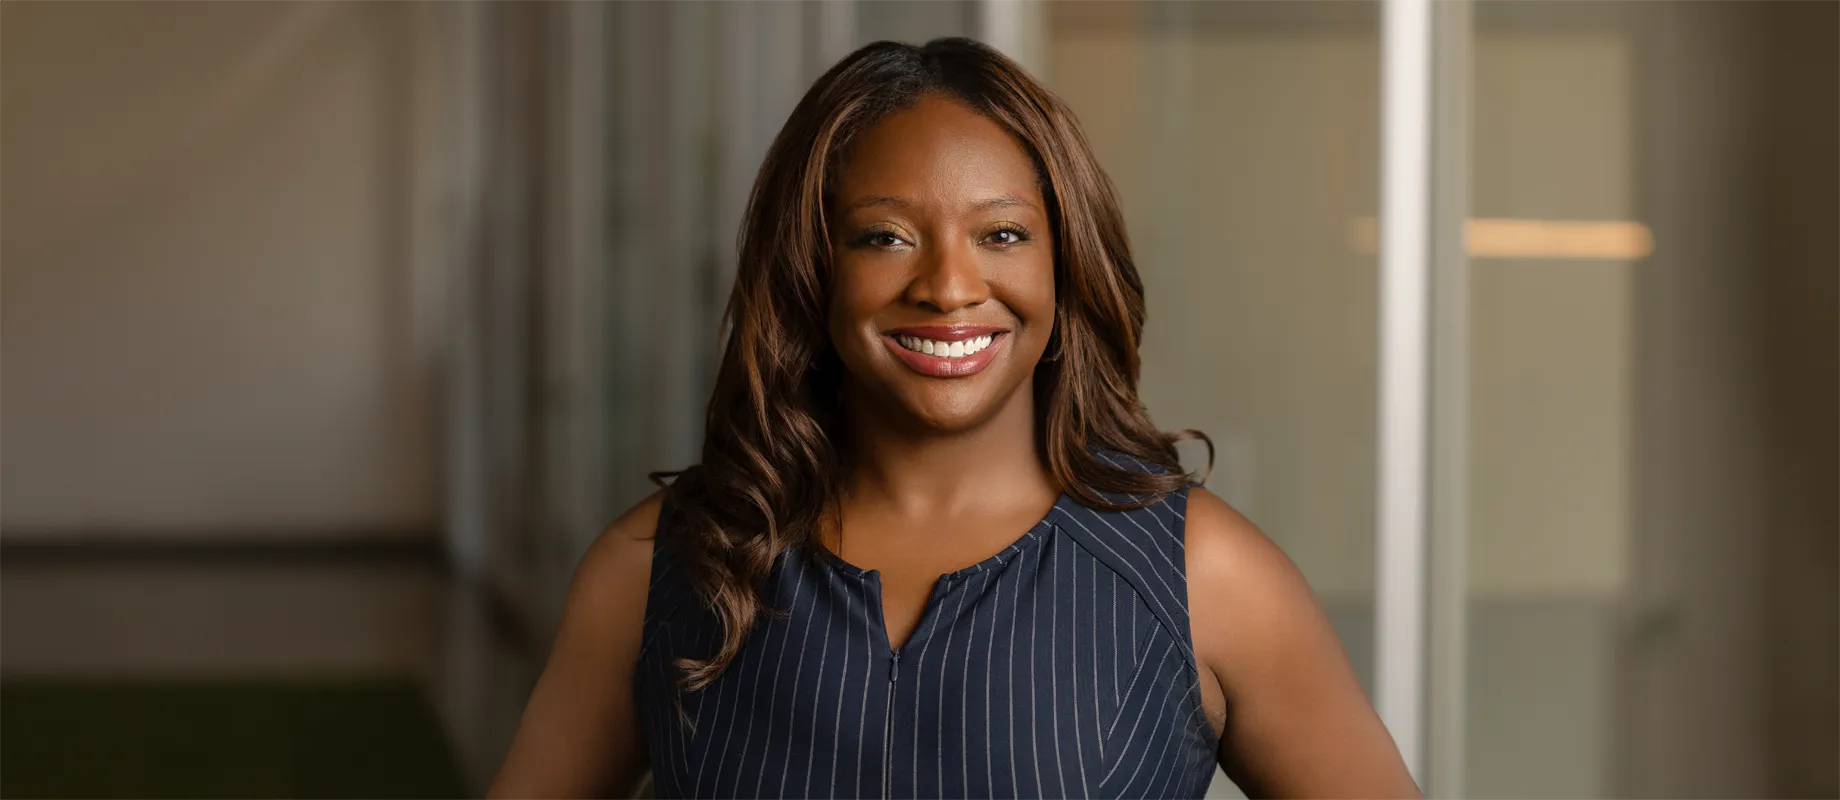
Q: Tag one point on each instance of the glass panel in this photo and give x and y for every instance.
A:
(1243, 139)
(1652, 395)
(1551, 346)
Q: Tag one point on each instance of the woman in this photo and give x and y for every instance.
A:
(935, 547)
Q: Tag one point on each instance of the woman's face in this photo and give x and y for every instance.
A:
(943, 293)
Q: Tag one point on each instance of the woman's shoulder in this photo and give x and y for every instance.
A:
(1235, 571)
(623, 550)
(613, 576)
(631, 533)
(1236, 559)
(1250, 604)
(638, 524)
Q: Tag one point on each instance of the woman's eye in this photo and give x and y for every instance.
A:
(881, 239)
(1007, 236)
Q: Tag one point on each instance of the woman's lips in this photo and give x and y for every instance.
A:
(934, 366)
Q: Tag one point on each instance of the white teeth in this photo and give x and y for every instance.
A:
(958, 349)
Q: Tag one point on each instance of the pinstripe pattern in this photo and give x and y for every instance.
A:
(1060, 667)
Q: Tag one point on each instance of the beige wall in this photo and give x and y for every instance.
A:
(207, 321)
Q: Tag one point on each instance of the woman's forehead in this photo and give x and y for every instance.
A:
(938, 152)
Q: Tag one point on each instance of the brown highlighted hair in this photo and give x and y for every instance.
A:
(773, 457)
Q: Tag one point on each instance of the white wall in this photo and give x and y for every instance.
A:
(207, 322)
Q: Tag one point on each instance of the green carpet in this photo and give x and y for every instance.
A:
(308, 738)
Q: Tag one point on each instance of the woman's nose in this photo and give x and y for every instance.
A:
(951, 278)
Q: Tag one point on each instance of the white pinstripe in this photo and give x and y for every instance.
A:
(1189, 773)
(837, 725)
(940, 716)
(792, 715)
(990, 649)
(1173, 728)
(862, 720)
(1145, 749)
(679, 728)
(1034, 736)
(1181, 570)
(1131, 600)
(817, 702)
(1054, 672)
(920, 675)
(725, 684)
(1095, 660)
(1115, 640)
(1128, 565)
(775, 686)
(1169, 775)
(1139, 705)
(1015, 603)
(778, 663)
(964, 696)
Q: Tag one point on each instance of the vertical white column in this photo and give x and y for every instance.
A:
(1405, 288)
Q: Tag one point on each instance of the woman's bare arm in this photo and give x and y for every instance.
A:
(1296, 723)
(580, 735)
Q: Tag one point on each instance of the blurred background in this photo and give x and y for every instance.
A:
(332, 332)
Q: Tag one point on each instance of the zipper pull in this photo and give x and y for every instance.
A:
(894, 667)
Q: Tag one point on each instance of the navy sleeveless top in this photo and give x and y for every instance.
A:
(1060, 667)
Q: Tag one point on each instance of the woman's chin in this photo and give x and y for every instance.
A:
(935, 405)
(949, 412)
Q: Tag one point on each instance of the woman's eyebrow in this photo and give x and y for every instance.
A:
(880, 200)
(1003, 200)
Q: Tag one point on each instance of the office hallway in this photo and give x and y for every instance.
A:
(294, 619)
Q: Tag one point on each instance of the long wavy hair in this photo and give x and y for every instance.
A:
(773, 460)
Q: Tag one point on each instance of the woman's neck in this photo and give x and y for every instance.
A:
(925, 473)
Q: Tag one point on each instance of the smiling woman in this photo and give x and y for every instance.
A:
(934, 546)
(941, 240)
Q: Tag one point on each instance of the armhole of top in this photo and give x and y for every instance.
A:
(1177, 516)
(1174, 512)
(659, 579)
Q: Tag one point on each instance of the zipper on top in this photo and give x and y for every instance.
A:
(894, 676)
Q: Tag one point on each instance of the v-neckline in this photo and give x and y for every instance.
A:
(942, 587)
